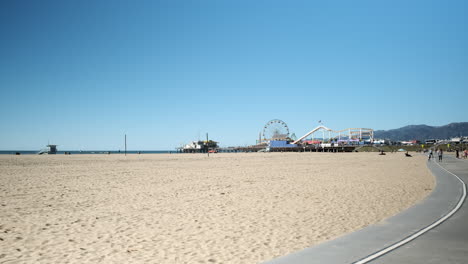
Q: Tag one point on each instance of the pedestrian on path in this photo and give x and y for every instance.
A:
(440, 153)
(457, 153)
(430, 154)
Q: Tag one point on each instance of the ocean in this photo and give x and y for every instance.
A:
(26, 152)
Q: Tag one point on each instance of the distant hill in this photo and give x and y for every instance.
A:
(422, 132)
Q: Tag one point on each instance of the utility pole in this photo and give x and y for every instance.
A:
(125, 144)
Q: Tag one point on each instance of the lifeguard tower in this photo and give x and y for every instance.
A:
(50, 149)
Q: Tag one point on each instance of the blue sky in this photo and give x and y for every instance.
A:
(81, 74)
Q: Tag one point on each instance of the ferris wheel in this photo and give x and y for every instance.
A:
(275, 130)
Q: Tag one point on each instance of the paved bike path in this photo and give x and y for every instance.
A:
(446, 243)
(358, 245)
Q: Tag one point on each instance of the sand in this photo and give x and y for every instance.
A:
(188, 208)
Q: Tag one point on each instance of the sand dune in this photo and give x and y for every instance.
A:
(188, 208)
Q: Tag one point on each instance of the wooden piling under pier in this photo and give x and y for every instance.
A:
(315, 149)
(291, 149)
(242, 149)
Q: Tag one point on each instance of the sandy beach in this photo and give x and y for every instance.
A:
(188, 208)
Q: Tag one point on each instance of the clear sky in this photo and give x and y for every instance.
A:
(81, 74)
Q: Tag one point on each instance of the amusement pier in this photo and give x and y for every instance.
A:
(275, 137)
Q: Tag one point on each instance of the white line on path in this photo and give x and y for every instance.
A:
(422, 231)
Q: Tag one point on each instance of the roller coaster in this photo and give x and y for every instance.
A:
(349, 134)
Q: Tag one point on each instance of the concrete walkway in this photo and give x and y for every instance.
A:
(445, 243)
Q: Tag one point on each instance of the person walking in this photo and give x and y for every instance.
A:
(457, 153)
(440, 153)
(430, 155)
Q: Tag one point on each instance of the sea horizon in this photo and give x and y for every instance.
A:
(13, 152)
